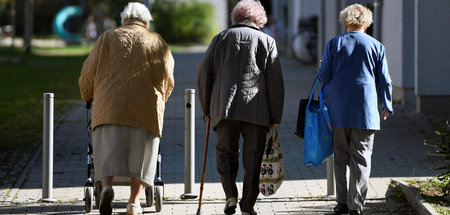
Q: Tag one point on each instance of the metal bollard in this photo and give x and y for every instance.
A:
(47, 150)
(330, 176)
(189, 144)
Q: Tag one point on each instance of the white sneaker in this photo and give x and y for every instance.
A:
(134, 209)
(106, 199)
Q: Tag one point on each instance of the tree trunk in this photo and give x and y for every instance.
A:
(29, 13)
(13, 21)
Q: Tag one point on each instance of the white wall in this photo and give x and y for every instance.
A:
(432, 48)
(221, 11)
(308, 8)
(294, 15)
(392, 37)
(331, 17)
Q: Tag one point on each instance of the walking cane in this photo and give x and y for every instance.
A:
(203, 167)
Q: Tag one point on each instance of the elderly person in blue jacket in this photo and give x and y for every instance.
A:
(241, 88)
(355, 70)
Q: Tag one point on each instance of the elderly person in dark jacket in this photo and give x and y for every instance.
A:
(241, 88)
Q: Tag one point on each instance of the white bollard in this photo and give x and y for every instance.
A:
(189, 144)
(330, 176)
(47, 150)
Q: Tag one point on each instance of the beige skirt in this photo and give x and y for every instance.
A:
(124, 151)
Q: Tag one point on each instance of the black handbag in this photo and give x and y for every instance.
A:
(300, 130)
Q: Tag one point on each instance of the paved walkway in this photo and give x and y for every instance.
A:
(398, 153)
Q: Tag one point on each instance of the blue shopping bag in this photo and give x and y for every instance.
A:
(318, 131)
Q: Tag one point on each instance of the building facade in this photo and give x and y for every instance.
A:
(413, 32)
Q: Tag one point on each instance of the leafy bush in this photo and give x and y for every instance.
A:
(442, 181)
(435, 192)
(182, 22)
(442, 132)
(436, 186)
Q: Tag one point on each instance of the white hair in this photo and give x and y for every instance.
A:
(136, 10)
(356, 15)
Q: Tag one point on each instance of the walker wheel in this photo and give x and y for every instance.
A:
(88, 198)
(159, 198)
(149, 195)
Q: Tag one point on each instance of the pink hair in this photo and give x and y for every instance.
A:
(249, 10)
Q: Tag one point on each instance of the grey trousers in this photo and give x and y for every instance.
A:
(353, 149)
(227, 156)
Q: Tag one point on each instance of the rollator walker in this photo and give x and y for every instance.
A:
(154, 194)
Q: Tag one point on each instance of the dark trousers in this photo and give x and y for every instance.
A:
(227, 156)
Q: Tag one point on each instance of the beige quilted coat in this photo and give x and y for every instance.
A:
(129, 75)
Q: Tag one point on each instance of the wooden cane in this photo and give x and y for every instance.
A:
(203, 167)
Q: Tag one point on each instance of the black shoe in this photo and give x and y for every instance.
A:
(230, 206)
(355, 212)
(106, 199)
(249, 213)
(341, 209)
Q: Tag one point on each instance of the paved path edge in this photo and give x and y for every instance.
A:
(13, 191)
(416, 201)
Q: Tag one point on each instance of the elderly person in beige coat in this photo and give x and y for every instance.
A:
(241, 88)
(129, 76)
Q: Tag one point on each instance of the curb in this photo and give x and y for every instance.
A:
(415, 200)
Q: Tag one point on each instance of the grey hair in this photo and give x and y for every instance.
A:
(138, 11)
(356, 15)
(250, 10)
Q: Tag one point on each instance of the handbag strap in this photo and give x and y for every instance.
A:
(268, 147)
(274, 133)
(312, 93)
(312, 89)
(273, 129)
(321, 93)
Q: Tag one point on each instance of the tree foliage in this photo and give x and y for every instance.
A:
(184, 21)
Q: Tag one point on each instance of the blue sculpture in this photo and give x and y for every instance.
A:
(61, 17)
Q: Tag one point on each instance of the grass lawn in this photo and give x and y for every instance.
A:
(24, 79)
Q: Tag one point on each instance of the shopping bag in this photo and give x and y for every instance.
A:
(300, 129)
(272, 166)
(318, 132)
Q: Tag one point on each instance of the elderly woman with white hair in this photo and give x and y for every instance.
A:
(355, 70)
(241, 89)
(129, 77)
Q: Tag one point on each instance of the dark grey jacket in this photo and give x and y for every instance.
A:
(240, 78)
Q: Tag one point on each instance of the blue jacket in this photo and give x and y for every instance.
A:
(355, 70)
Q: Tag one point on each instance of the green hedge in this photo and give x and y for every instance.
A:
(184, 22)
